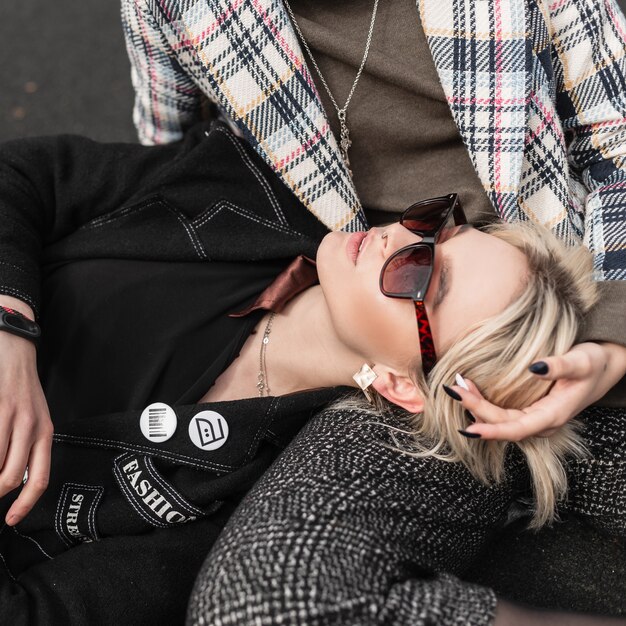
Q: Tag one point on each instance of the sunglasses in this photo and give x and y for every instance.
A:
(408, 271)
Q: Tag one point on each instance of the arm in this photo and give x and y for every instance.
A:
(167, 101)
(48, 187)
(591, 103)
(341, 530)
(589, 57)
(25, 427)
(589, 40)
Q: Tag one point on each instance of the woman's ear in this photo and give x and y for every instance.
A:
(399, 389)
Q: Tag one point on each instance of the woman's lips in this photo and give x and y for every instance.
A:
(352, 247)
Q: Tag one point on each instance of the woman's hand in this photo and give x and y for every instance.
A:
(25, 425)
(582, 376)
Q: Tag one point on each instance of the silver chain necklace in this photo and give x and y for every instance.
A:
(345, 142)
(262, 376)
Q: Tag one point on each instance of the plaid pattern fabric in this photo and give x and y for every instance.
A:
(538, 91)
(245, 57)
(536, 88)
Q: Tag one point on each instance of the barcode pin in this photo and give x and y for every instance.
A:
(158, 422)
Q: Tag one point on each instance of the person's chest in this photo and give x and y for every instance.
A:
(405, 143)
(118, 335)
(239, 379)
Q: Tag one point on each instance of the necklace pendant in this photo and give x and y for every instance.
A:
(345, 146)
(345, 143)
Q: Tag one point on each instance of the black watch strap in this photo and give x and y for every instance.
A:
(14, 322)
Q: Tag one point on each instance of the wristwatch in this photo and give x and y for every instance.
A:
(14, 322)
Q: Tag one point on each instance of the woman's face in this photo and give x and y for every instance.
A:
(475, 276)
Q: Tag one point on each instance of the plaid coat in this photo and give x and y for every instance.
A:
(536, 87)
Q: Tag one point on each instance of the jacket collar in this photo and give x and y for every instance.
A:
(480, 52)
(276, 418)
(273, 101)
(252, 58)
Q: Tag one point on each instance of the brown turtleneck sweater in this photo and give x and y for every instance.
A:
(405, 144)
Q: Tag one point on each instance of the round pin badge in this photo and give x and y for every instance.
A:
(208, 430)
(158, 422)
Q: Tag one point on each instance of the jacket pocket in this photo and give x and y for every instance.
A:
(150, 230)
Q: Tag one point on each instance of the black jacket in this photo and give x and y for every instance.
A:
(208, 197)
(125, 523)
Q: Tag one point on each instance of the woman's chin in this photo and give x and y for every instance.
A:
(325, 249)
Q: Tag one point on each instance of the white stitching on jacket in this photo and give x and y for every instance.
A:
(258, 175)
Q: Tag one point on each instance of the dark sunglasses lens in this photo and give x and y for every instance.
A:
(408, 271)
(426, 217)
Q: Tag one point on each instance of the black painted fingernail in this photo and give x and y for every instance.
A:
(453, 394)
(470, 417)
(540, 367)
(469, 435)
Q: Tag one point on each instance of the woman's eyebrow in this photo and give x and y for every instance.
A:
(444, 279)
(445, 276)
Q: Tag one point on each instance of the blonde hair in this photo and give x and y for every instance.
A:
(494, 354)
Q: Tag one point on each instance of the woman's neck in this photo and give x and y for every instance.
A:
(304, 351)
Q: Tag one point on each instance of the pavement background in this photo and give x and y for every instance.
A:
(63, 69)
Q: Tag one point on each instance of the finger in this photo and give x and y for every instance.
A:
(15, 463)
(574, 364)
(469, 386)
(480, 408)
(5, 436)
(516, 430)
(35, 486)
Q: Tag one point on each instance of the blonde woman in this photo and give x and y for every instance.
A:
(187, 334)
(371, 508)
(360, 107)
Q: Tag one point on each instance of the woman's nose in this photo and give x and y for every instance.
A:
(396, 236)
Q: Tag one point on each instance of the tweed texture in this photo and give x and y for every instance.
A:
(342, 530)
(597, 484)
(536, 88)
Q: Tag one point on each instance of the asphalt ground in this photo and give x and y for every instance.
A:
(63, 69)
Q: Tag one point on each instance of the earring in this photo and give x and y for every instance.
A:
(364, 378)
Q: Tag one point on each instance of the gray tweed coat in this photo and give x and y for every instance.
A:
(342, 530)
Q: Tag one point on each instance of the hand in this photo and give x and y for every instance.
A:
(583, 375)
(25, 426)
